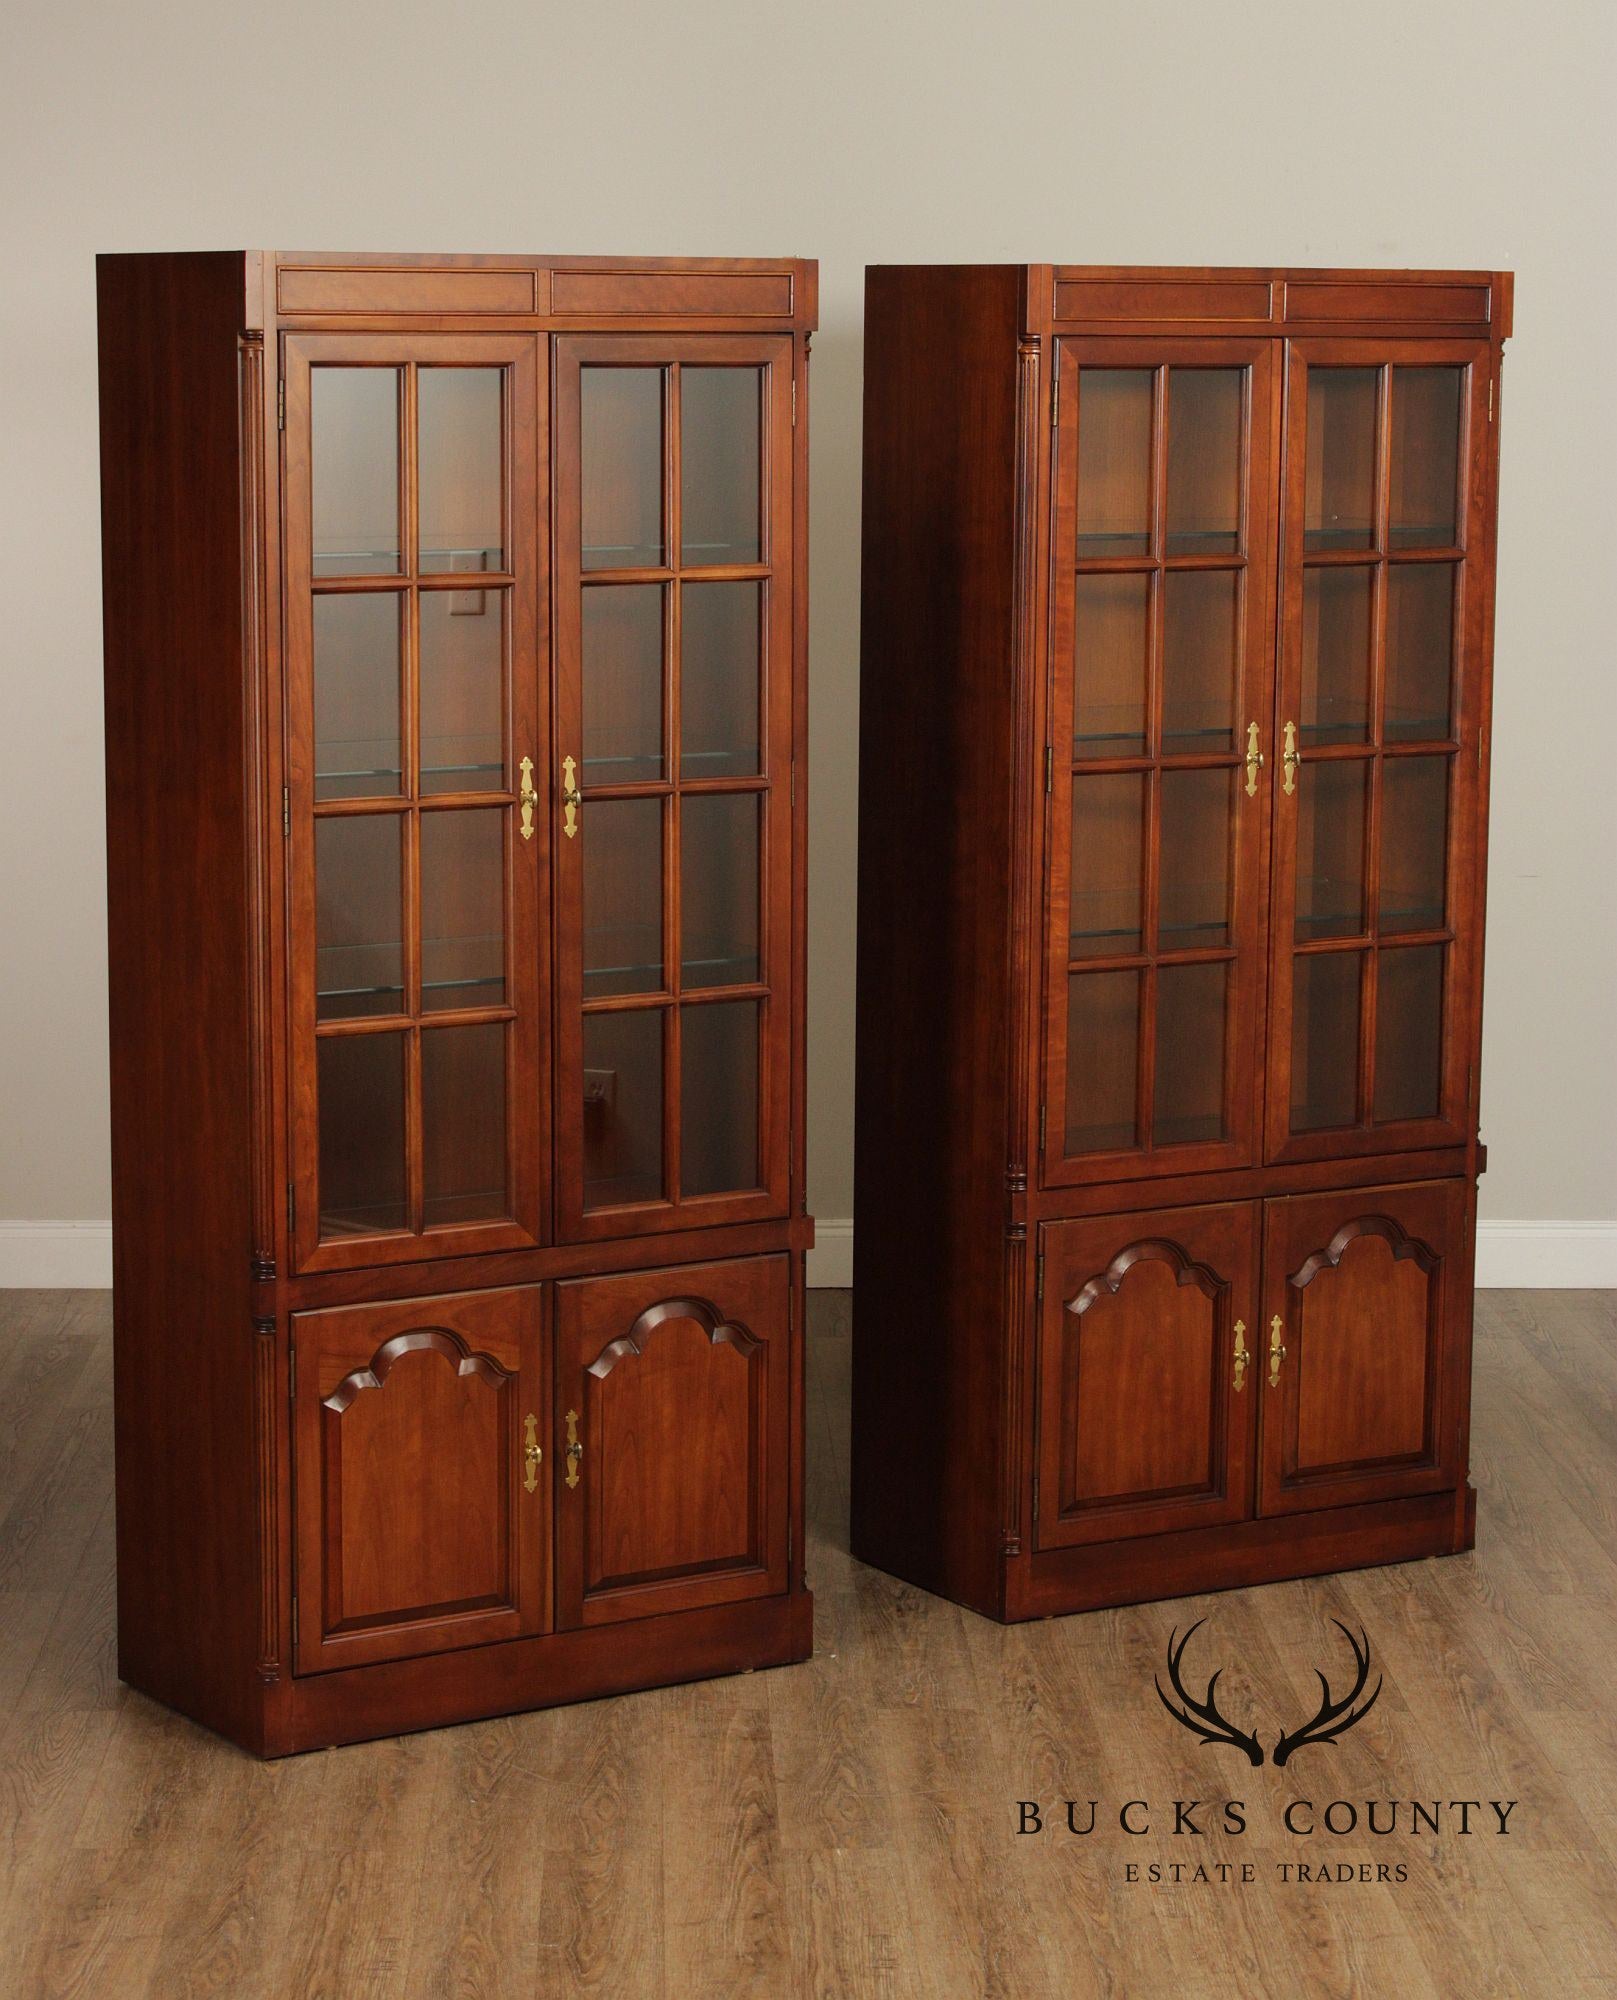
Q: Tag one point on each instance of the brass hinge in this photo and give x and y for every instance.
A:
(280, 404)
(1490, 399)
(794, 781)
(1055, 400)
(1049, 767)
(1042, 1110)
(1038, 1276)
(794, 402)
(286, 812)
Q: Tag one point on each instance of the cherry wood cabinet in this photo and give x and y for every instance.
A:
(456, 621)
(1177, 653)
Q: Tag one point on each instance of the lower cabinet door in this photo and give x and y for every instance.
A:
(1147, 1373)
(422, 1501)
(1365, 1314)
(672, 1429)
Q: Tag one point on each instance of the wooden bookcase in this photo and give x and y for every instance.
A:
(1177, 650)
(456, 616)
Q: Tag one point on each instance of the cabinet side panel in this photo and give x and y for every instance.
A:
(937, 686)
(178, 945)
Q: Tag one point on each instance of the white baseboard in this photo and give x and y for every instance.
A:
(55, 1256)
(830, 1262)
(1547, 1256)
(1531, 1256)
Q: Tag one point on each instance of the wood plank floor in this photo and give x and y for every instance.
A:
(848, 1827)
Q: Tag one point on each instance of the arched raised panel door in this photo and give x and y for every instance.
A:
(422, 1496)
(1145, 1377)
(1364, 1305)
(672, 1433)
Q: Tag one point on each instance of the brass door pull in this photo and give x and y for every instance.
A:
(575, 1451)
(1254, 760)
(532, 1453)
(527, 797)
(1277, 1350)
(1242, 1357)
(572, 797)
(1291, 759)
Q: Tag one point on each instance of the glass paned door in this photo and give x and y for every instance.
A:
(672, 779)
(415, 845)
(1374, 787)
(1160, 719)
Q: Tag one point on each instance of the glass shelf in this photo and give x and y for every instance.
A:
(647, 555)
(1092, 747)
(1181, 542)
(1359, 536)
(741, 971)
(371, 562)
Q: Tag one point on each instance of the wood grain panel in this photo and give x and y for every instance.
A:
(1141, 1429)
(668, 294)
(678, 1387)
(416, 1528)
(1364, 1291)
(1160, 299)
(1409, 305)
(403, 289)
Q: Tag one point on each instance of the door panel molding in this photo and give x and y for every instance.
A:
(1357, 1408)
(672, 1423)
(1140, 1426)
(416, 1528)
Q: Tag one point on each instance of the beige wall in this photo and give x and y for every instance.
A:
(1388, 132)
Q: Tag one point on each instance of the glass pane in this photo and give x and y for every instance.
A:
(1336, 656)
(621, 417)
(1409, 1033)
(1193, 898)
(463, 1124)
(1414, 840)
(1330, 849)
(354, 445)
(1200, 642)
(623, 1108)
(1111, 654)
(462, 690)
(459, 477)
(719, 448)
(623, 896)
(462, 910)
(719, 888)
(1189, 1097)
(1339, 508)
(718, 1097)
(719, 679)
(1114, 462)
(1420, 651)
(1204, 461)
(1103, 1027)
(1325, 1040)
(356, 696)
(1425, 457)
(1108, 838)
(358, 922)
(360, 1079)
(623, 683)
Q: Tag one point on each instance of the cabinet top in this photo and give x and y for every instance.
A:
(346, 289)
(1125, 299)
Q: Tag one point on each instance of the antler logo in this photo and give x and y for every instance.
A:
(1333, 1719)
